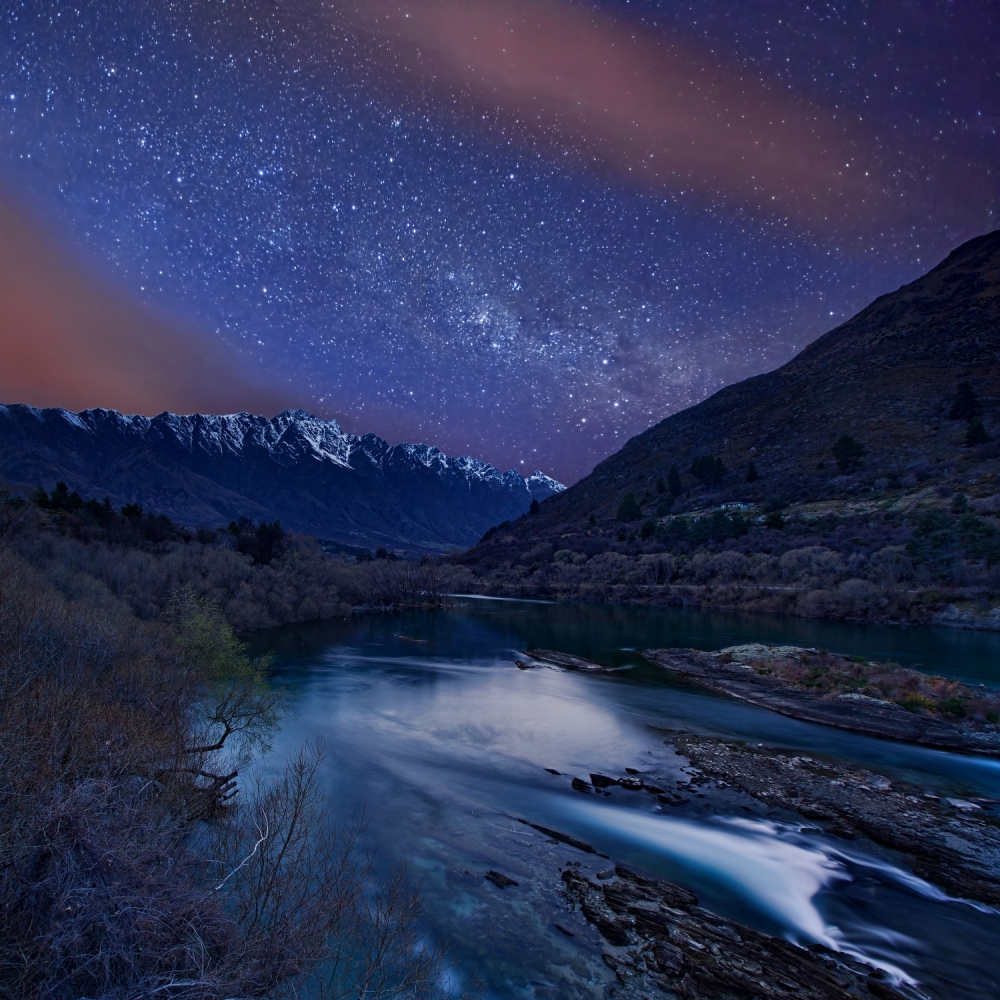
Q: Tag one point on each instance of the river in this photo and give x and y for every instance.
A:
(433, 731)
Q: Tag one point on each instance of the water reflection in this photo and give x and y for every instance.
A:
(445, 744)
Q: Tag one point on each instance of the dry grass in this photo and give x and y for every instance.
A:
(830, 675)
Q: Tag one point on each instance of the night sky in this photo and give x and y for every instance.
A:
(518, 229)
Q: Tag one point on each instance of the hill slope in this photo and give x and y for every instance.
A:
(886, 377)
(295, 467)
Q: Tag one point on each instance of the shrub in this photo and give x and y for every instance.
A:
(664, 506)
(490, 532)
(848, 453)
(916, 703)
(263, 542)
(952, 706)
(648, 529)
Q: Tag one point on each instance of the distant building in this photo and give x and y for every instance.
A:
(736, 505)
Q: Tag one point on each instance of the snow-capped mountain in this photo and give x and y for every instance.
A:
(207, 470)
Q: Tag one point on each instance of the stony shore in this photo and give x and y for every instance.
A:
(951, 842)
(825, 688)
(659, 942)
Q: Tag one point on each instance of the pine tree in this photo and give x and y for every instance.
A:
(848, 453)
(674, 481)
(965, 405)
(752, 476)
(976, 434)
(661, 487)
(533, 509)
(664, 506)
(629, 509)
(708, 469)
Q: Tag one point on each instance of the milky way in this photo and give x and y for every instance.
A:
(524, 255)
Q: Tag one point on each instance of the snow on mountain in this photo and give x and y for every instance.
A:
(305, 471)
(541, 486)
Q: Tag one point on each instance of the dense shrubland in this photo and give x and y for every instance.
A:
(135, 861)
(874, 565)
(258, 575)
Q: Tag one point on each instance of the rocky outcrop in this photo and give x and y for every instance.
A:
(953, 843)
(552, 657)
(661, 940)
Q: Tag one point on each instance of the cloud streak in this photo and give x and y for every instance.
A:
(656, 113)
(66, 339)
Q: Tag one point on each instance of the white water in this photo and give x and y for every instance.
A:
(773, 867)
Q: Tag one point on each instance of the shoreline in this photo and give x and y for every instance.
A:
(682, 596)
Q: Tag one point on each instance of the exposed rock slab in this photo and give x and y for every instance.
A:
(953, 843)
(740, 677)
(565, 660)
(662, 940)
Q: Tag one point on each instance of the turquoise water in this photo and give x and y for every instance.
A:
(445, 743)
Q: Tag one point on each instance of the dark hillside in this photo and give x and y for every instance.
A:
(864, 479)
(887, 378)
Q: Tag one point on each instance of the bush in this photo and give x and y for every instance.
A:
(263, 542)
(648, 529)
(848, 453)
(128, 865)
(664, 506)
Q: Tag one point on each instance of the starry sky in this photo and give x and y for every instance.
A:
(523, 230)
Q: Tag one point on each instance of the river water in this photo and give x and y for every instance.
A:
(433, 732)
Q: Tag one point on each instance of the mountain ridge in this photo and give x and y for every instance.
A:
(303, 470)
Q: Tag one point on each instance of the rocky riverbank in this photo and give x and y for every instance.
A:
(660, 942)
(849, 693)
(952, 842)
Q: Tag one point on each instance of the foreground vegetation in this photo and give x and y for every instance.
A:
(259, 576)
(135, 859)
